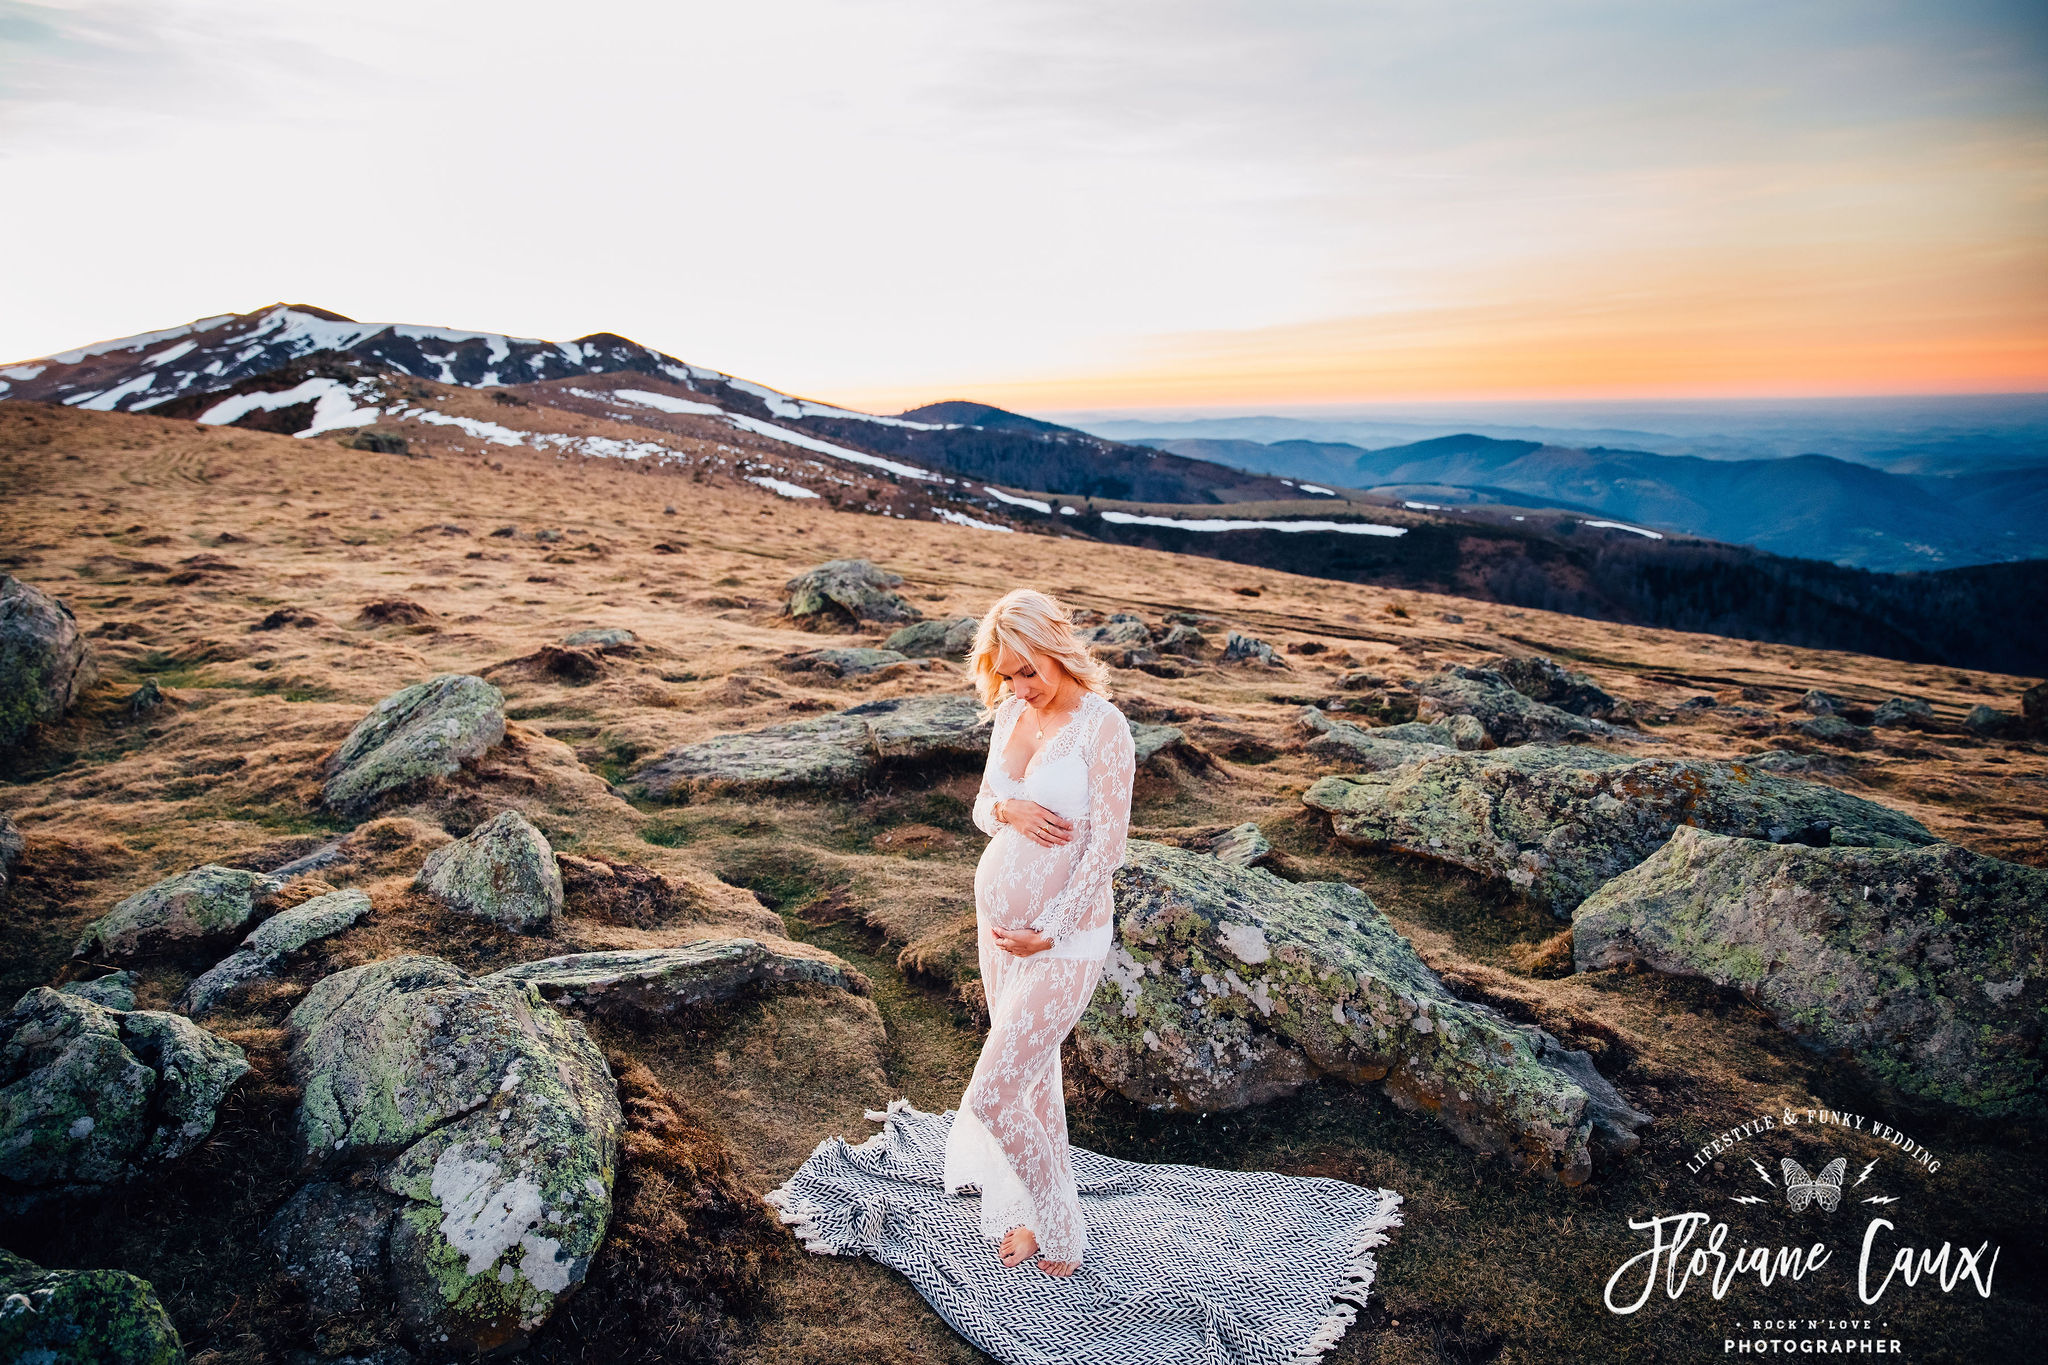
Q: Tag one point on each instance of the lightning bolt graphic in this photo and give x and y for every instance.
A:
(1764, 1173)
(1749, 1199)
(1882, 1199)
(1864, 1172)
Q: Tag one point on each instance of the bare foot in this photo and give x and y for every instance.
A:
(1060, 1268)
(1019, 1246)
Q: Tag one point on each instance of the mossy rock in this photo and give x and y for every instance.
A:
(1925, 966)
(1557, 822)
(502, 871)
(45, 664)
(1368, 749)
(81, 1317)
(1508, 715)
(91, 1096)
(490, 1115)
(271, 942)
(658, 982)
(947, 638)
(845, 594)
(209, 904)
(1228, 986)
(412, 737)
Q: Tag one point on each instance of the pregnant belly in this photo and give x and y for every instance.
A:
(1016, 878)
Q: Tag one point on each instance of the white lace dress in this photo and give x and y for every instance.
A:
(1009, 1135)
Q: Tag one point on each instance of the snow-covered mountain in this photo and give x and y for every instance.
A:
(135, 374)
(305, 370)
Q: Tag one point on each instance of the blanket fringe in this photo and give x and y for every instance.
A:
(801, 1215)
(1353, 1285)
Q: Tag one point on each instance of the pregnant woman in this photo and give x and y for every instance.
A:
(1056, 802)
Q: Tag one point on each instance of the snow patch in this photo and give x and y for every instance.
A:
(797, 438)
(483, 431)
(782, 486)
(1349, 528)
(24, 372)
(1318, 488)
(660, 401)
(1624, 526)
(334, 406)
(165, 357)
(962, 519)
(1035, 504)
(105, 402)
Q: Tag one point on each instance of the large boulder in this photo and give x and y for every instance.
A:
(270, 943)
(1557, 822)
(949, 637)
(1508, 716)
(1228, 986)
(91, 1097)
(846, 593)
(81, 1317)
(11, 845)
(663, 981)
(1245, 649)
(841, 663)
(414, 736)
(502, 871)
(1925, 965)
(488, 1117)
(843, 748)
(116, 990)
(1370, 749)
(1915, 713)
(209, 904)
(1545, 680)
(838, 749)
(44, 662)
(1121, 631)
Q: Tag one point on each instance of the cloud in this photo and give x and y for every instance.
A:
(898, 196)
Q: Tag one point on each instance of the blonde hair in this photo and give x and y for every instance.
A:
(1031, 623)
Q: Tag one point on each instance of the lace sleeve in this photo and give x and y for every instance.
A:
(985, 801)
(1112, 764)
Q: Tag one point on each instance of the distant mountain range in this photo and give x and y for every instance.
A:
(1809, 506)
(1517, 521)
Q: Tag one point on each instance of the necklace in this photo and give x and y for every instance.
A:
(1038, 721)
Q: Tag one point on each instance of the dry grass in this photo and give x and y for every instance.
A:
(301, 537)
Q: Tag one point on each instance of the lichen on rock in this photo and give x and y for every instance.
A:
(205, 905)
(45, 664)
(1228, 986)
(81, 1317)
(1556, 822)
(502, 871)
(91, 1096)
(1924, 965)
(490, 1115)
(416, 735)
(844, 593)
(272, 941)
(662, 981)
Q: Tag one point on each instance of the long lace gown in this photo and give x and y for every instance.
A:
(1009, 1135)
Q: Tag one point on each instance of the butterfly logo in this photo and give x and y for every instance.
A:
(1824, 1189)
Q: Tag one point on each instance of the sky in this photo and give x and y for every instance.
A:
(1061, 206)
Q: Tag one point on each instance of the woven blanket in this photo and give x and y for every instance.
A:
(1185, 1266)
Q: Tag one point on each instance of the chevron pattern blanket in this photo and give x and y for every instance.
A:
(1186, 1265)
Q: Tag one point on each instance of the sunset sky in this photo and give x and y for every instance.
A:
(1269, 206)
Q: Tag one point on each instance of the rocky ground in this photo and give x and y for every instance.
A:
(1432, 813)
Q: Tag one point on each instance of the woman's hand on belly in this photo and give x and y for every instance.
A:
(1035, 822)
(1022, 942)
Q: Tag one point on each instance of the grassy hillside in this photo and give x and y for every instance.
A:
(252, 577)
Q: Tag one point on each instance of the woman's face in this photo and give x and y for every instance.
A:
(1034, 677)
